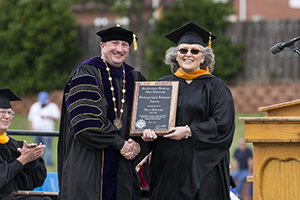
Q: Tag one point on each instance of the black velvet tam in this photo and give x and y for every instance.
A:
(116, 33)
(6, 96)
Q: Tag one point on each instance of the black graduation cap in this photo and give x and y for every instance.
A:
(117, 33)
(6, 95)
(190, 33)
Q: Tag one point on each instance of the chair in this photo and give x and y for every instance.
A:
(50, 183)
(49, 188)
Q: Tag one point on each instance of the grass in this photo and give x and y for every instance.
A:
(20, 122)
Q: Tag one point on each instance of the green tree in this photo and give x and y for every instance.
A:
(38, 44)
(209, 15)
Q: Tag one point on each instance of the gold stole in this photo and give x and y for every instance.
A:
(4, 138)
(188, 76)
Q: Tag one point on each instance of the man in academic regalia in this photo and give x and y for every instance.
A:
(21, 165)
(95, 153)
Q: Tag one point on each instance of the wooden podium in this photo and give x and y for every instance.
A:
(276, 151)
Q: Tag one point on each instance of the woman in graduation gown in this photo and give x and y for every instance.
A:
(21, 165)
(192, 160)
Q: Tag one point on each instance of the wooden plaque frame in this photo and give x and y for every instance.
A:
(156, 90)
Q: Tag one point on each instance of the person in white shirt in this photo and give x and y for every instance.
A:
(42, 117)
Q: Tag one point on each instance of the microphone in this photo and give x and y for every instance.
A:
(280, 46)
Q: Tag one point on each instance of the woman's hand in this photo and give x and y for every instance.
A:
(176, 133)
(149, 135)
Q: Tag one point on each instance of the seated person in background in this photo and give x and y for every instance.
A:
(21, 165)
(241, 166)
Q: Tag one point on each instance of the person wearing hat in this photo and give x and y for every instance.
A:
(192, 160)
(21, 165)
(42, 117)
(95, 153)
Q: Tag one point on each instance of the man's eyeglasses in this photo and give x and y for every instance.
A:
(10, 113)
(193, 51)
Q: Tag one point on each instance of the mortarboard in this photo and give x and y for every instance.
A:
(6, 95)
(118, 33)
(190, 33)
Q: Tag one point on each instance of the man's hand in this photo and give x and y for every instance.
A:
(30, 152)
(130, 149)
(149, 135)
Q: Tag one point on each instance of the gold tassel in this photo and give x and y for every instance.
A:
(207, 69)
(135, 47)
(209, 40)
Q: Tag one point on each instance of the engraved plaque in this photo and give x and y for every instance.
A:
(154, 107)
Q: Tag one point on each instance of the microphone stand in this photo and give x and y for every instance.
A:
(295, 49)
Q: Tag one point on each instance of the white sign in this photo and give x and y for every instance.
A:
(294, 3)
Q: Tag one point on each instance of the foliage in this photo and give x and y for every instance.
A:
(37, 40)
(209, 15)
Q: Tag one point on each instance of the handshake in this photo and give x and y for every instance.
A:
(130, 149)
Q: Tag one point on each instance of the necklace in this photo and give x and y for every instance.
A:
(118, 121)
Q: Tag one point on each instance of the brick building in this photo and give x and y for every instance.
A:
(98, 13)
(266, 9)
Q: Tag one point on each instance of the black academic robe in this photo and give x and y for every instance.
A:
(90, 165)
(178, 168)
(14, 176)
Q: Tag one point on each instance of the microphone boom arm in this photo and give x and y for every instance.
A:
(295, 49)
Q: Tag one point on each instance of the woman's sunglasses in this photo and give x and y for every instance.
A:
(193, 51)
